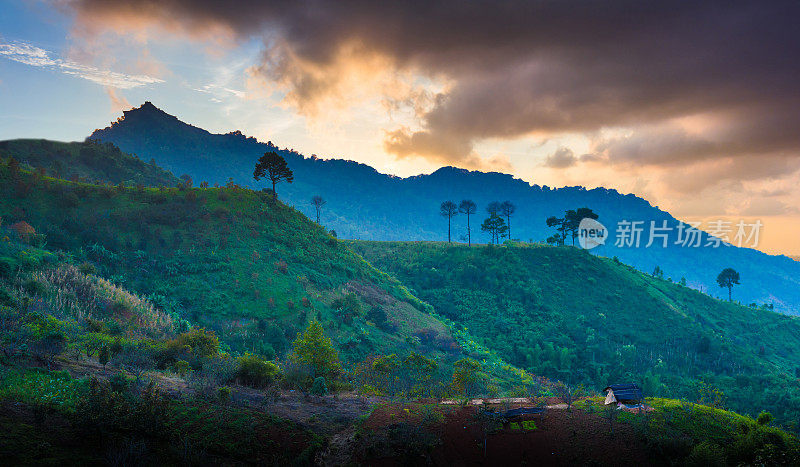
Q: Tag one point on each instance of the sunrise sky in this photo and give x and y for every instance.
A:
(692, 105)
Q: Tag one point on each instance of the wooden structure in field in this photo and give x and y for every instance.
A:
(626, 393)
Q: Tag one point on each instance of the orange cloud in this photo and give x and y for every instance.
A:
(118, 101)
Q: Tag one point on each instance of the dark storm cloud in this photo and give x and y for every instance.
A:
(535, 67)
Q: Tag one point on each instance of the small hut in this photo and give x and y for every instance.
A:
(627, 394)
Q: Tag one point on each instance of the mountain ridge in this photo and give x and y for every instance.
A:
(368, 205)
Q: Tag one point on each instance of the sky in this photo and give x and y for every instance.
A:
(691, 105)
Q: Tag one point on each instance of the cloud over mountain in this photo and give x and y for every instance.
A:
(678, 83)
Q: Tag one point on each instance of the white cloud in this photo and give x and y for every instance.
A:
(29, 54)
(220, 91)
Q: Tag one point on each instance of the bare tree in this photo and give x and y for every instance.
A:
(507, 209)
(318, 202)
(448, 209)
(468, 207)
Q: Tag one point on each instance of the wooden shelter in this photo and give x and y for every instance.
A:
(626, 393)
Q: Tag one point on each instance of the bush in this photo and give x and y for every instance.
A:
(6, 299)
(7, 267)
(256, 372)
(200, 342)
(119, 383)
(181, 367)
(87, 268)
(224, 394)
(706, 454)
(34, 287)
(764, 418)
(319, 388)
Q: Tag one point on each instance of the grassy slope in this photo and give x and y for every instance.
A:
(229, 259)
(50, 415)
(89, 161)
(563, 313)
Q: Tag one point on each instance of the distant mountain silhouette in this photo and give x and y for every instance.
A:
(365, 204)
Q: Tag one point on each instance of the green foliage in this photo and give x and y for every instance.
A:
(313, 348)
(256, 372)
(104, 355)
(181, 367)
(319, 388)
(706, 454)
(224, 394)
(53, 389)
(199, 341)
(226, 261)
(347, 307)
(764, 418)
(7, 267)
(466, 374)
(566, 315)
(88, 160)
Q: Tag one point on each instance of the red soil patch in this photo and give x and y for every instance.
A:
(561, 437)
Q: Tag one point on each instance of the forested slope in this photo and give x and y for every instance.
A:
(563, 313)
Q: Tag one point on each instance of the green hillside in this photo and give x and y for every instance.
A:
(88, 161)
(231, 260)
(85, 374)
(156, 326)
(563, 313)
(225, 258)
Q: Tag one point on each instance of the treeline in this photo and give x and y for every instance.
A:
(497, 225)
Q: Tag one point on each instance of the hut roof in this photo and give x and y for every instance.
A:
(625, 391)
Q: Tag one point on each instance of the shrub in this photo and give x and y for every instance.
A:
(224, 394)
(201, 342)
(7, 267)
(87, 268)
(181, 367)
(764, 418)
(120, 383)
(256, 372)
(220, 369)
(6, 299)
(319, 388)
(706, 454)
(34, 287)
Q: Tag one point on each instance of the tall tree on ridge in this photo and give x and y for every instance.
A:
(493, 208)
(272, 166)
(317, 201)
(561, 234)
(573, 218)
(448, 209)
(496, 227)
(468, 207)
(727, 279)
(507, 208)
